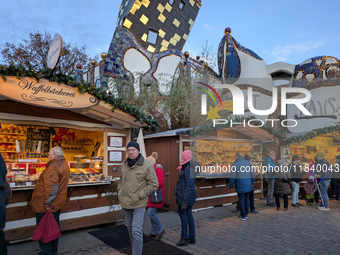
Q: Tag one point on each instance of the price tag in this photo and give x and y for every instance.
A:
(12, 184)
(28, 183)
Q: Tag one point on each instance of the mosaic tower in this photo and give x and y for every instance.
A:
(149, 37)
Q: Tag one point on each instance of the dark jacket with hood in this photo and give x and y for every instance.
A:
(185, 189)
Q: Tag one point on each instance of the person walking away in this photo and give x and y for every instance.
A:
(296, 174)
(270, 165)
(5, 196)
(251, 194)
(137, 180)
(335, 182)
(185, 192)
(157, 230)
(281, 186)
(324, 172)
(243, 177)
(50, 192)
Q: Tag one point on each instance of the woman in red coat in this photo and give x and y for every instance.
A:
(157, 230)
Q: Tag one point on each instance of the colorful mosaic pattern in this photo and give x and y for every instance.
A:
(229, 65)
(123, 40)
(170, 21)
(316, 69)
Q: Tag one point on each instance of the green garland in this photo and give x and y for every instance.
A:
(281, 137)
(83, 87)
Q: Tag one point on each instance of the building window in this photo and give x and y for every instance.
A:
(171, 2)
(152, 37)
(181, 5)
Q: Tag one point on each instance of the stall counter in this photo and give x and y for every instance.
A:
(86, 206)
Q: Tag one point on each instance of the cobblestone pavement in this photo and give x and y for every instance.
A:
(303, 230)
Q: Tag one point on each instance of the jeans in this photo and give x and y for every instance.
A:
(134, 222)
(323, 190)
(337, 191)
(251, 201)
(270, 191)
(156, 226)
(285, 200)
(243, 203)
(187, 219)
(50, 248)
(295, 192)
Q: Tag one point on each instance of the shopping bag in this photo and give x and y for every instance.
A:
(47, 229)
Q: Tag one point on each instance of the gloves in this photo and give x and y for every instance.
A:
(184, 205)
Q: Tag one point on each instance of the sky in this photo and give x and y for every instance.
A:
(290, 31)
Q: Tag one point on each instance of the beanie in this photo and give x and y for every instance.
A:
(270, 152)
(133, 144)
(320, 154)
(153, 157)
(247, 157)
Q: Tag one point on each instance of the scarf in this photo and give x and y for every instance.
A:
(132, 162)
(186, 157)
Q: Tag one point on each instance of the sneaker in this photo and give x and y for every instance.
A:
(295, 205)
(241, 218)
(254, 212)
(192, 240)
(152, 235)
(278, 208)
(299, 204)
(323, 208)
(159, 235)
(317, 204)
(286, 209)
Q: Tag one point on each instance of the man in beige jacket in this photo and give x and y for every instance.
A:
(50, 191)
(137, 181)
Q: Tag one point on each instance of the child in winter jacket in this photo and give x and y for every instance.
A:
(310, 188)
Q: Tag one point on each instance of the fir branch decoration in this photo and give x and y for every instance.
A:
(56, 75)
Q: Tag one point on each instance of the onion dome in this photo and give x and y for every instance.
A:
(229, 65)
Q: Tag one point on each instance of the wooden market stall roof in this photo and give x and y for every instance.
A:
(98, 116)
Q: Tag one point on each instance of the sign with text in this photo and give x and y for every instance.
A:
(45, 93)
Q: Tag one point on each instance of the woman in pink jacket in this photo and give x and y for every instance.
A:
(157, 230)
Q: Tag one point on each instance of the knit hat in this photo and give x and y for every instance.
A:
(247, 157)
(296, 157)
(133, 144)
(153, 158)
(320, 154)
(270, 152)
(311, 177)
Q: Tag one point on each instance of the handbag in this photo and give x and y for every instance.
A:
(47, 229)
(156, 196)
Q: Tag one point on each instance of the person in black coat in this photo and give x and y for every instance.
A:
(185, 193)
(281, 186)
(335, 182)
(3, 202)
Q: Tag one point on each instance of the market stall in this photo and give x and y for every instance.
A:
(35, 116)
(214, 147)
